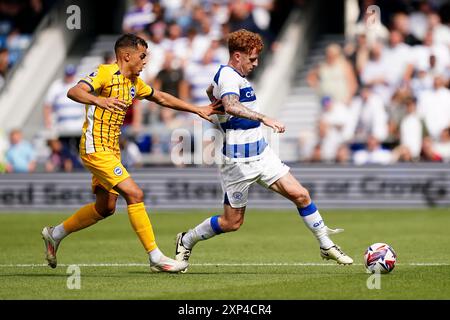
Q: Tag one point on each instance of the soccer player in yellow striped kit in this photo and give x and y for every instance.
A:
(107, 93)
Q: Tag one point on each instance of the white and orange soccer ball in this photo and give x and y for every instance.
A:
(380, 258)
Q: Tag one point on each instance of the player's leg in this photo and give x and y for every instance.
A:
(230, 220)
(141, 224)
(289, 187)
(86, 216)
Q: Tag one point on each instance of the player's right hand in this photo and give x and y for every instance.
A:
(111, 104)
(277, 126)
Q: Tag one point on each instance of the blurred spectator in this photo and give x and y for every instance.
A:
(334, 77)
(400, 23)
(157, 52)
(20, 156)
(109, 57)
(332, 127)
(198, 76)
(169, 80)
(343, 154)
(411, 131)
(241, 16)
(60, 159)
(261, 13)
(374, 73)
(368, 116)
(129, 153)
(423, 54)
(4, 65)
(437, 151)
(442, 147)
(399, 60)
(3, 147)
(434, 108)
(358, 54)
(373, 154)
(138, 17)
(441, 32)
(62, 115)
(396, 111)
(418, 19)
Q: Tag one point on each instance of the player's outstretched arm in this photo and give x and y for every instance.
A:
(209, 92)
(235, 108)
(169, 101)
(81, 93)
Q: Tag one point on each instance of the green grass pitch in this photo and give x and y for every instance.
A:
(273, 256)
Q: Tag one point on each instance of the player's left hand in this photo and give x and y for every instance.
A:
(214, 108)
(276, 125)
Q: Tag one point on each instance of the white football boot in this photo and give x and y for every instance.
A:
(181, 252)
(335, 253)
(167, 264)
(51, 246)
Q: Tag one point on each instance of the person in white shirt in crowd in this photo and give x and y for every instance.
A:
(398, 58)
(373, 154)
(138, 17)
(418, 19)
(334, 77)
(423, 79)
(422, 54)
(374, 73)
(442, 147)
(434, 108)
(441, 32)
(411, 131)
(63, 116)
(332, 127)
(157, 52)
(400, 23)
(368, 116)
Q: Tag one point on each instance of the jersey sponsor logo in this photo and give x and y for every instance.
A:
(132, 92)
(118, 171)
(93, 74)
(247, 95)
(237, 195)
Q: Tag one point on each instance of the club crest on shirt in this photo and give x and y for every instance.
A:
(118, 171)
(133, 92)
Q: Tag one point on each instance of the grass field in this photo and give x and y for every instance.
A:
(273, 256)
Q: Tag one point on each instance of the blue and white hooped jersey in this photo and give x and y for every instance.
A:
(243, 140)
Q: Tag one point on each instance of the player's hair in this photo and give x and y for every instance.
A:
(244, 41)
(129, 40)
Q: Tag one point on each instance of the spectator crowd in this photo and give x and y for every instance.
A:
(385, 93)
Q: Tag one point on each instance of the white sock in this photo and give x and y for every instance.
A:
(59, 232)
(155, 255)
(315, 223)
(205, 230)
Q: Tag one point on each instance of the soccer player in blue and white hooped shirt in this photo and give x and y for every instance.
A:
(248, 158)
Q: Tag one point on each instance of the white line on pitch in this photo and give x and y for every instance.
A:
(425, 264)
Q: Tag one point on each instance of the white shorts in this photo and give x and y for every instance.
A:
(237, 177)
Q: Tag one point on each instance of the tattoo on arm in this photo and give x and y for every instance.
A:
(235, 108)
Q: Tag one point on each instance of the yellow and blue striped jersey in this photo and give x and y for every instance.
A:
(101, 128)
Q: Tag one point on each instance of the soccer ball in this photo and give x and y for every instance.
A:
(380, 258)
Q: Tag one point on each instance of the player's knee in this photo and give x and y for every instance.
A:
(300, 196)
(135, 196)
(232, 224)
(107, 210)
